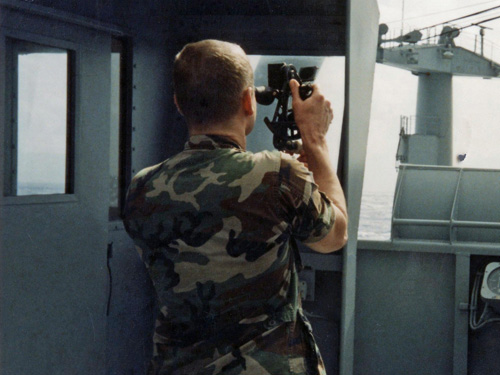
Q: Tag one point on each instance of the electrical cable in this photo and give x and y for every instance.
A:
(460, 18)
(465, 27)
(443, 11)
(473, 304)
(108, 266)
(453, 30)
(481, 22)
(474, 19)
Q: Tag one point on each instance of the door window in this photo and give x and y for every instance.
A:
(40, 136)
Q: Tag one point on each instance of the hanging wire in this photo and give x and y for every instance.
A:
(471, 25)
(444, 11)
(461, 18)
(477, 18)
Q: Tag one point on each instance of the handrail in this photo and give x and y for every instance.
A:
(455, 223)
(452, 213)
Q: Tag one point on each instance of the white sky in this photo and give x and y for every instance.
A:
(476, 113)
(42, 111)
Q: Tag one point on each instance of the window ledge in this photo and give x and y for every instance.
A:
(38, 199)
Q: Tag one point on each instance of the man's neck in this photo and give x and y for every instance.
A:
(233, 130)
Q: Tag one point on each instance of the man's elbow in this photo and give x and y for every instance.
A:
(340, 236)
(340, 242)
(340, 229)
(329, 245)
(335, 239)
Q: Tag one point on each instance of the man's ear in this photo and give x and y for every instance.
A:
(177, 105)
(248, 101)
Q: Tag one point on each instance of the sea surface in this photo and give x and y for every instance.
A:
(375, 217)
(40, 188)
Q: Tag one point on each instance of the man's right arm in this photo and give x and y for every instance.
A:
(313, 117)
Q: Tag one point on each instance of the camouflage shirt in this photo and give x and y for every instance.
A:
(214, 226)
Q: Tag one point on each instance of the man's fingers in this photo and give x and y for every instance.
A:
(294, 88)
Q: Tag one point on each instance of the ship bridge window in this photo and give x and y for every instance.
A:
(330, 77)
(39, 140)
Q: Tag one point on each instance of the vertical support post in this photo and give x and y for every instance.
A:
(481, 32)
(361, 34)
(434, 113)
(461, 332)
(403, 18)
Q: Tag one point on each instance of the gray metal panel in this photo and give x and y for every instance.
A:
(104, 15)
(362, 31)
(277, 34)
(424, 195)
(259, 7)
(61, 13)
(3, 119)
(279, 26)
(474, 352)
(460, 346)
(154, 132)
(157, 132)
(479, 201)
(131, 310)
(53, 254)
(404, 313)
(448, 204)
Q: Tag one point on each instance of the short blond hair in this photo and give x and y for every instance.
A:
(209, 78)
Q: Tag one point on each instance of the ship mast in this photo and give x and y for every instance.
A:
(430, 141)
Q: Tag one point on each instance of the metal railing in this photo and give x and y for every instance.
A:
(408, 125)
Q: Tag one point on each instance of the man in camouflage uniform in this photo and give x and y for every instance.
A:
(215, 226)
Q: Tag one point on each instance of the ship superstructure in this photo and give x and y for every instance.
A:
(74, 295)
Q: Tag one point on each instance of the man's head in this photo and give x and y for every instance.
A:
(210, 78)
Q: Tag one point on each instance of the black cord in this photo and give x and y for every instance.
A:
(109, 256)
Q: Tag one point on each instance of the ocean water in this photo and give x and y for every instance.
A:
(41, 188)
(375, 217)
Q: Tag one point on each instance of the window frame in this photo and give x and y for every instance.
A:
(8, 37)
(123, 45)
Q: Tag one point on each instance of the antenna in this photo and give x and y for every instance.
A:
(402, 17)
(482, 33)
